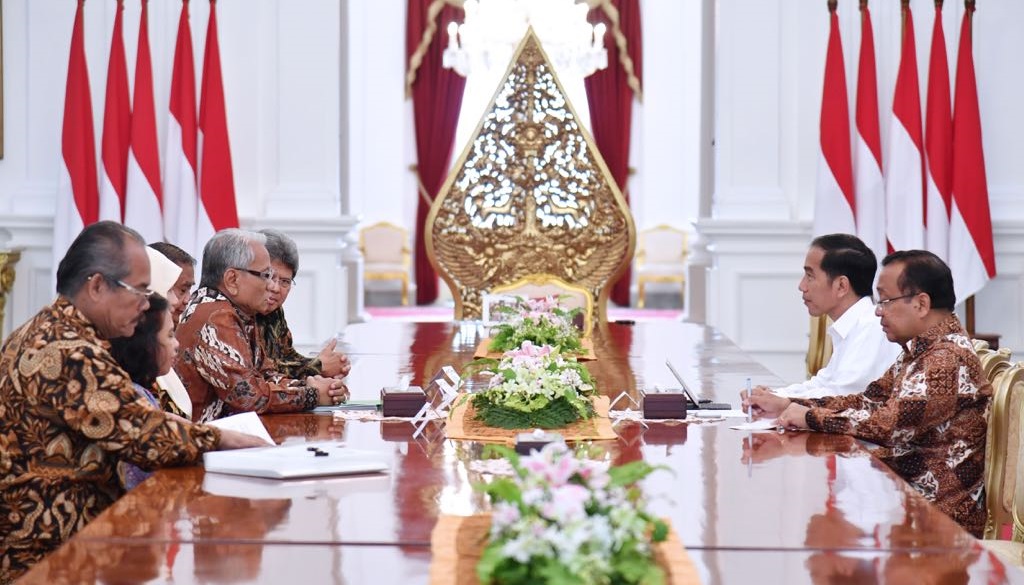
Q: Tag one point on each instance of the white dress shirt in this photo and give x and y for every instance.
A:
(860, 355)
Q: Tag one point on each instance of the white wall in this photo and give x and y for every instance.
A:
(282, 81)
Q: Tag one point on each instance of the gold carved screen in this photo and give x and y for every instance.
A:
(530, 193)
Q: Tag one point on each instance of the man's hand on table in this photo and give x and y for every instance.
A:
(332, 391)
(764, 402)
(334, 364)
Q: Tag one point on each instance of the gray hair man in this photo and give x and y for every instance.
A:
(69, 411)
(223, 365)
(273, 327)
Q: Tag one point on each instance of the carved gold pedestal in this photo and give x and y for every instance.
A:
(8, 259)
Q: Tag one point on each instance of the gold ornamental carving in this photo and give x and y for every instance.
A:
(8, 259)
(529, 194)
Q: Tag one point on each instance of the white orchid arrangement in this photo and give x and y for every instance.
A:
(541, 321)
(534, 387)
(570, 521)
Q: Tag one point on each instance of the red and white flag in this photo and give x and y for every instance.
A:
(180, 195)
(868, 183)
(938, 145)
(216, 179)
(117, 121)
(142, 199)
(834, 205)
(77, 193)
(972, 258)
(904, 168)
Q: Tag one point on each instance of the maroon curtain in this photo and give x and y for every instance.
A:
(611, 106)
(436, 100)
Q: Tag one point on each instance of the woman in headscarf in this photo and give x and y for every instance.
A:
(163, 274)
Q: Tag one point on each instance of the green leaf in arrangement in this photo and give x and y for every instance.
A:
(557, 414)
(660, 532)
(630, 473)
(505, 490)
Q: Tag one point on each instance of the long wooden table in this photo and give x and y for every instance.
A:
(790, 508)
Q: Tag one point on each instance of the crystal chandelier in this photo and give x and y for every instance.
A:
(493, 28)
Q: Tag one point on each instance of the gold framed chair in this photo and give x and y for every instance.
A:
(819, 345)
(1003, 448)
(543, 285)
(529, 194)
(994, 362)
(661, 257)
(386, 254)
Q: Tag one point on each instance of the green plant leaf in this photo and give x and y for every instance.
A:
(555, 573)
(557, 414)
(660, 532)
(489, 561)
(630, 473)
(504, 490)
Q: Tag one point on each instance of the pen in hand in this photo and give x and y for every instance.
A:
(750, 406)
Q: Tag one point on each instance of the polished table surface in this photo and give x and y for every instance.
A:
(796, 506)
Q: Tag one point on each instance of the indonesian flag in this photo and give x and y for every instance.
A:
(904, 169)
(971, 255)
(77, 194)
(117, 121)
(216, 179)
(142, 201)
(938, 145)
(867, 150)
(834, 206)
(180, 198)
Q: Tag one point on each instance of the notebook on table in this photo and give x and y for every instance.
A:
(299, 460)
(692, 402)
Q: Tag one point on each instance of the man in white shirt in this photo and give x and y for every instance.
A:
(839, 272)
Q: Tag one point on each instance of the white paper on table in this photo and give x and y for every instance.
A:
(719, 413)
(764, 424)
(295, 461)
(246, 422)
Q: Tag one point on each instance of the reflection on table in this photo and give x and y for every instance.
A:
(800, 506)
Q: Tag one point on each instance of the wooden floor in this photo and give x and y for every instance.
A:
(762, 508)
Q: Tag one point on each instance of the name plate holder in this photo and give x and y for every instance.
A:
(404, 402)
(527, 443)
(445, 389)
(664, 405)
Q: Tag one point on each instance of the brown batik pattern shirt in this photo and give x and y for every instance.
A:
(929, 417)
(223, 367)
(68, 414)
(279, 347)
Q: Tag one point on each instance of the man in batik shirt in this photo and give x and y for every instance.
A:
(222, 362)
(273, 327)
(928, 414)
(68, 412)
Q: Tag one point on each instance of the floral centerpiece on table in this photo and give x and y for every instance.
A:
(568, 520)
(534, 387)
(540, 321)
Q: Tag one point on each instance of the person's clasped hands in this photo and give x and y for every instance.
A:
(334, 363)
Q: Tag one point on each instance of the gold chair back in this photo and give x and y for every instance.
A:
(1018, 492)
(994, 362)
(819, 346)
(530, 193)
(661, 257)
(8, 259)
(1002, 459)
(543, 285)
(386, 254)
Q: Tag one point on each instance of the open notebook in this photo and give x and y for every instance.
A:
(296, 461)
